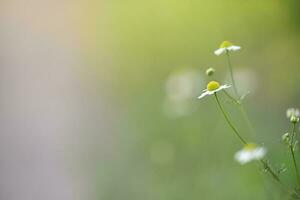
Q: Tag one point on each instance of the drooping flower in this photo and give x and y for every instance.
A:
(212, 87)
(226, 46)
(249, 153)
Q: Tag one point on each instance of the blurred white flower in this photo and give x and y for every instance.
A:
(212, 87)
(292, 112)
(182, 84)
(175, 109)
(226, 46)
(249, 153)
(245, 78)
(180, 89)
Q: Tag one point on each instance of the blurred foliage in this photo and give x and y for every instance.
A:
(141, 44)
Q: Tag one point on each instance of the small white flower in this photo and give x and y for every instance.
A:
(182, 84)
(213, 87)
(180, 89)
(226, 46)
(292, 112)
(249, 153)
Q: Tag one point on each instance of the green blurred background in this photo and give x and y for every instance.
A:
(173, 146)
(114, 85)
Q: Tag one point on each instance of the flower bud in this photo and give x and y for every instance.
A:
(294, 119)
(210, 71)
(286, 138)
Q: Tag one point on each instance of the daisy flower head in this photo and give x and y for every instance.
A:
(226, 46)
(249, 153)
(213, 87)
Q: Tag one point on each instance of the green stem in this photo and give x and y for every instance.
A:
(228, 121)
(242, 109)
(293, 132)
(293, 153)
(232, 98)
(231, 74)
(270, 170)
(246, 118)
(295, 165)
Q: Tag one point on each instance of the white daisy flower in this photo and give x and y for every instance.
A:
(213, 87)
(249, 153)
(226, 46)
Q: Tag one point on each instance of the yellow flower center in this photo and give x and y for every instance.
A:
(250, 146)
(213, 85)
(226, 44)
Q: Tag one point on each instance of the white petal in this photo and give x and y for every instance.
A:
(206, 92)
(292, 112)
(219, 51)
(259, 153)
(225, 86)
(217, 90)
(233, 48)
(243, 156)
(221, 88)
(297, 113)
(203, 94)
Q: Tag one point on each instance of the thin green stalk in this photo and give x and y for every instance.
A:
(228, 121)
(269, 169)
(242, 109)
(295, 165)
(293, 153)
(293, 132)
(265, 164)
(231, 74)
(246, 118)
(232, 98)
